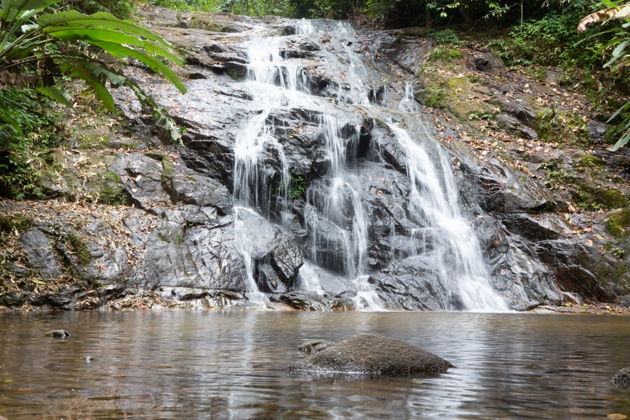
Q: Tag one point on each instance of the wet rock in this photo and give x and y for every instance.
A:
(621, 379)
(372, 354)
(409, 52)
(198, 245)
(63, 334)
(315, 346)
(574, 266)
(276, 256)
(536, 227)
(504, 191)
(597, 131)
(409, 286)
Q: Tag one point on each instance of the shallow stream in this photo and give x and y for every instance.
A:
(187, 365)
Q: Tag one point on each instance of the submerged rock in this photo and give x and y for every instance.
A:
(371, 354)
(622, 378)
(58, 334)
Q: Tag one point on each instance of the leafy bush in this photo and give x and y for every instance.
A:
(27, 132)
(446, 36)
(64, 43)
(118, 8)
(201, 5)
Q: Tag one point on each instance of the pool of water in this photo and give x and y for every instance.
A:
(189, 365)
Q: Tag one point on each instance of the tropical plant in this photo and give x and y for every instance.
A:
(619, 48)
(37, 48)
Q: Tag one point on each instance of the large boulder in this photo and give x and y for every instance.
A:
(372, 354)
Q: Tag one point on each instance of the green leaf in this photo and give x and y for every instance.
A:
(154, 64)
(621, 142)
(100, 20)
(91, 35)
(22, 9)
(38, 281)
(621, 109)
(83, 70)
(55, 94)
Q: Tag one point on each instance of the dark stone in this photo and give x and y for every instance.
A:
(622, 378)
(63, 334)
(315, 346)
(372, 354)
(484, 61)
(513, 126)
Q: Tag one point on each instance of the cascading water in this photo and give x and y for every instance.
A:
(454, 255)
(337, 243)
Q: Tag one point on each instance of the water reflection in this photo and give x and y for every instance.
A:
(232, 365)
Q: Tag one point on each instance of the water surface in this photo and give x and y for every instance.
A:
(188, 365)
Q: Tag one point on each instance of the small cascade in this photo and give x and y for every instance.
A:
(455, 255)
(274, 82)
(342, 209)
(304, 27)
(408, 103)
(244, 248)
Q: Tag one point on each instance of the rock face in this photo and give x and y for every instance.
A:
(622, 378)
(372, 354)
(189, 233)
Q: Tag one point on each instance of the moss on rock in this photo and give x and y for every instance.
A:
(80, 248)
(14, 223)
(112, 190)
(618, 224)
(588, 197)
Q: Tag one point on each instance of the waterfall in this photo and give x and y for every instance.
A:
(338, 241)
(455, 254)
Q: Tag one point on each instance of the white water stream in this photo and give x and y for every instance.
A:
(454, 255)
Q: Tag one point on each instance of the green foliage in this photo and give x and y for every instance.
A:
(433, 96)
(588, 161)
(445, 54)
(446, 36)
(201, 5)
(64, 43)
(113, 191)
(119, 8)
(618, 224)
(80, 248)
(27, 132)
(589, 197)
(16, 223)
(557, 126)
(297, 187)
(549, 40)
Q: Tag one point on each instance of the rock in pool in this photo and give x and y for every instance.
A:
(314, 346)
(369, 354)
(622, 378)
(58, 334)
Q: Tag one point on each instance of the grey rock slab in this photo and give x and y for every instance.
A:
(41, 254)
